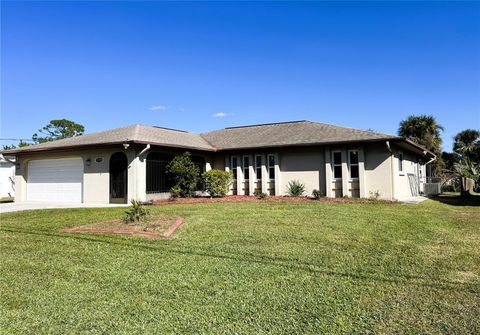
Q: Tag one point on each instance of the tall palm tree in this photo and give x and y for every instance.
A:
(426, 131)
(467, 144)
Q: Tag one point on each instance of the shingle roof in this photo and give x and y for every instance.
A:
(133, 134)
(293, 133)
(288, 134)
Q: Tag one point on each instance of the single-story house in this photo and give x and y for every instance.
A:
(117, 165)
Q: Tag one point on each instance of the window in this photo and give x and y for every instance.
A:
(258, 167)
(353, 162)
(271, 166)
(158, 180)
(234, 166)
(400, 162)
(246, 165)
(337, 164)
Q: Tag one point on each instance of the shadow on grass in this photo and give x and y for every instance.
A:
(457, 200)
(289, 264)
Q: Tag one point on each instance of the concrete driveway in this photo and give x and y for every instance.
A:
(29, 205)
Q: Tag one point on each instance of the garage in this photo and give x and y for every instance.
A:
(58, 180)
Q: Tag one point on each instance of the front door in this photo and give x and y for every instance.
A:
(118, 178)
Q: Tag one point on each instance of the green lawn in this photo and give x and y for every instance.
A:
(247, 268)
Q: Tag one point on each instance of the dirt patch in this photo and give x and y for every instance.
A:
(271, 199)
(157, 227)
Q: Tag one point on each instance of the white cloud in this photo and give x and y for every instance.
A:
(158, 108)
(220, 114)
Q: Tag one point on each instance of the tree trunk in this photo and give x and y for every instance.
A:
(466, 185)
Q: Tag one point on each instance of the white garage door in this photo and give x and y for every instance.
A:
(55, 180)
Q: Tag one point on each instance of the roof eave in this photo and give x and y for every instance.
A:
(311, 144)
(26, 150)
(419, 147)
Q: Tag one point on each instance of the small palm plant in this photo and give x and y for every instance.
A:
(295, 188)
(136, 213)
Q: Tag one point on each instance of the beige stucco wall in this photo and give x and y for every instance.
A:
(309, 165)
(306, 165)
(378, 171)
(402, 184)
(96, 177)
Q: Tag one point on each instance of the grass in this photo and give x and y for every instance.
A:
(246, 268)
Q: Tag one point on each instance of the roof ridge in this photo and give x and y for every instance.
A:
(265, 124)
(357, 129)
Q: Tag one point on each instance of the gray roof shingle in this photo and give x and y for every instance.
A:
(256, 136)
(135, 133)
(288, 134)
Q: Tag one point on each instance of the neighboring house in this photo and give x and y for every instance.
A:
(129, 163)
(7, 178)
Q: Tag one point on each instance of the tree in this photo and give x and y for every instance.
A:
(185, 173)
(21, 144)
(449, 159)
(424, 130)
(467, 144)
(57, 130)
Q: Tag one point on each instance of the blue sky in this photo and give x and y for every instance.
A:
(204, 66)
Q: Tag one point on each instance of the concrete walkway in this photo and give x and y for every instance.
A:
(413, 200)
(30, 205)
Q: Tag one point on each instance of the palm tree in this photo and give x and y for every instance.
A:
(467, 144)
(424, 130)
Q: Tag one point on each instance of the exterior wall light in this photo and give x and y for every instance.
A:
(88, 161)
(126, 145)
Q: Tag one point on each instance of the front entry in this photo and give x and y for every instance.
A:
(118, 178)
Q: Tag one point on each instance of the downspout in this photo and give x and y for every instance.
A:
(392, 174)
(3, 158)
(144, 150)
(430, 161)
(137, 191)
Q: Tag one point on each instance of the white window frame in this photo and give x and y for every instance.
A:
(258, 167)
(234, 167)
(350, 165)
(334, 165)
(246, 168)
(271, 167)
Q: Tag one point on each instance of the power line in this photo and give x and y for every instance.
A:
(16, 139)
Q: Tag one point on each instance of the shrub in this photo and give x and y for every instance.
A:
(449, 188)
(295, 188)
(260, 195)
(175, 193)
(136, 213)
(317, 194)
(217, 182)
(374, 195)
(185, 174)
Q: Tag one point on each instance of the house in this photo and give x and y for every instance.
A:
(117, 165)
(7, 178)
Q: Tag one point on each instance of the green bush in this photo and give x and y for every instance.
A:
(317, 194)
(259, 194)
(295, 188)
(136, 213)
(217, 182)
(175, 193)
(262, 196)
(185, 174)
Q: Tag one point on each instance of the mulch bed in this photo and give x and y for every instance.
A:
(270, 199)
(157, 227)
